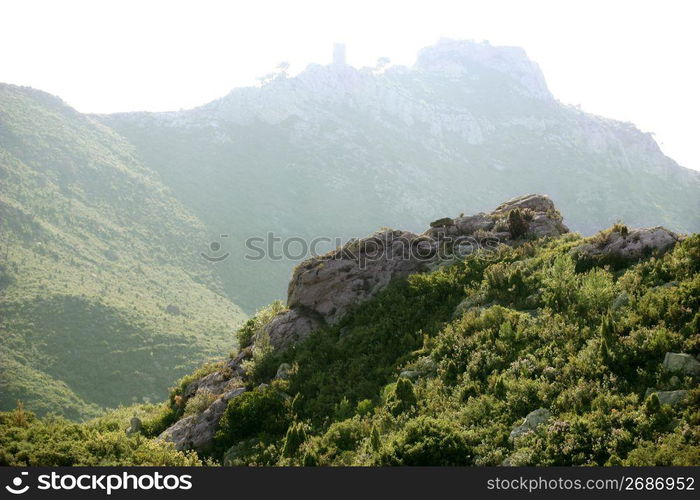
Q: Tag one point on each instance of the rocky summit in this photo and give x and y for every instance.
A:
(323, 289)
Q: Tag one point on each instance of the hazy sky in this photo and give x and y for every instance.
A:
(630, 60)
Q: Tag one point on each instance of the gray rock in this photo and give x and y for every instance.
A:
(533, 420)
(473, 223)
(197, 431)
(630, 244)
(330, 285)
(409, 374)
(291, 326)
(284, 371)
(681, 363)
(668, 397)
(534, 202)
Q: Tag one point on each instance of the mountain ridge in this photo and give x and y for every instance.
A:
(468, 125)
(100, 277)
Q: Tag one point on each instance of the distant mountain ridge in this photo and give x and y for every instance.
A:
(337, 151)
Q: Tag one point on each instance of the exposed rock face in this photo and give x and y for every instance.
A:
(533, 420)
(681, 363)
(534, 202)
(290, 326)
(628, 245)
(197, 431)
(332, 284)
(325, 288)
(455, 58)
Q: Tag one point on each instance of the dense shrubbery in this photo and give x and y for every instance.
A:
(54, 441)
(485, 342)
(263, 412)
(533, 333)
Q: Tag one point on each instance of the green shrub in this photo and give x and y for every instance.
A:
(402, 398)
(296, 435)
(517, 225)
(255, 324)
(258, 413)
(428, 441)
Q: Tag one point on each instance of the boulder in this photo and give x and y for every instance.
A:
(409, 374)
(668, 397)
(470, 225)
(623, 244)
(330, 285)
(534, 202)
(533, 420)
(681, 363)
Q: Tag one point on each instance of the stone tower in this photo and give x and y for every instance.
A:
(339, 53)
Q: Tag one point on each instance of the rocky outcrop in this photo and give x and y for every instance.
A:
(672, 398)
(291, 326)
(455, 58)
(330, 285)
(533, 420)
(197, 431)
(621, 244)
(323, 289)
(682, 364)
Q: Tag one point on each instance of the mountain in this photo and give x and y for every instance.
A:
(337, 151)
(104, 297)
(515, 342)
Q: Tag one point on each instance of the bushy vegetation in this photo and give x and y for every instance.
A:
(438, 369)
(531, 332)
(55, 441)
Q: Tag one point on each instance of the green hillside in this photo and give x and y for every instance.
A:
(94, 250)
(441, 369)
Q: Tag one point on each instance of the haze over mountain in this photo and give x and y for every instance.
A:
(104, 300)
(338, 151)
(105, 296)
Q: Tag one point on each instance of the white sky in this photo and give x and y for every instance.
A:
(630, 60)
